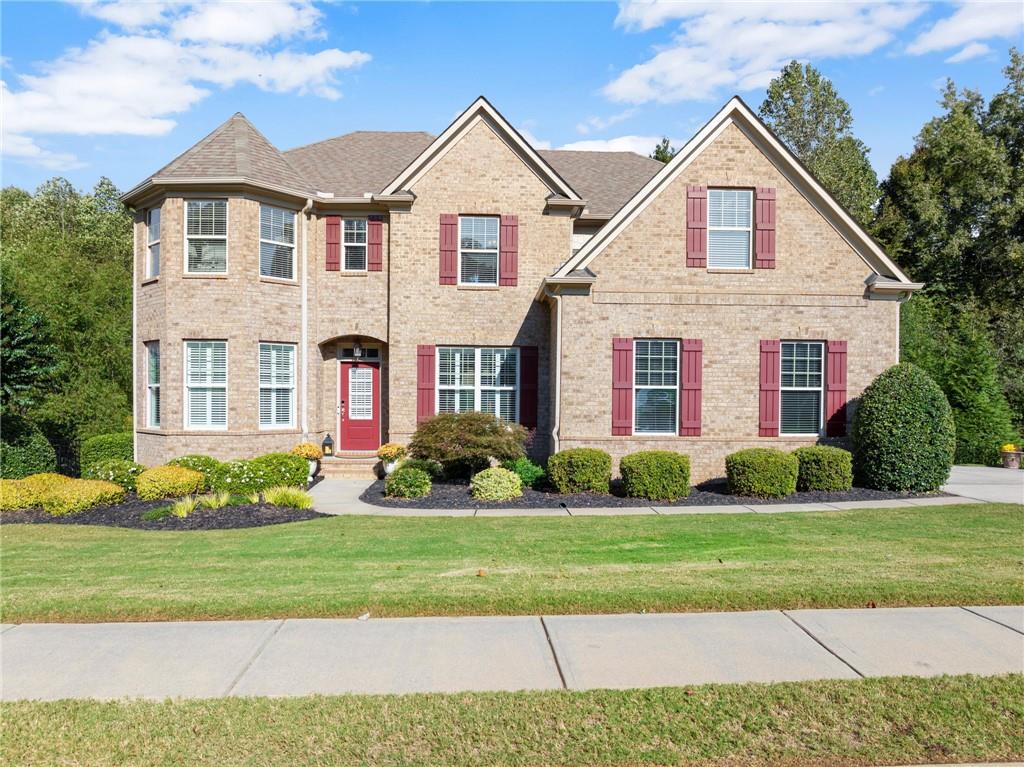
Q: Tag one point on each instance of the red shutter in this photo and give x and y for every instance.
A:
(508, 262)
(622, 386)
(448, 263)
(697, 226)
(528, 373)
(375, 243)
(764, 228)
(835, 389)
(769, 399)
(424, 383)
(334, 243)
(689, 387)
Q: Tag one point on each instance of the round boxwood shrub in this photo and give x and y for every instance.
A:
(432, 468)
(168, 482)
(824, 468)
(120, 472)
(904, 436)
(204, 464)
(761, 472)
(580, 470)
(280, 470)
(530, 473)
(407, 482)
(465, 443)
(106, 447)
(659, 475)
(496, 484)
(24, 450)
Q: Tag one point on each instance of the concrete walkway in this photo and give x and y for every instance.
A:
(987, 483)
(577, 652)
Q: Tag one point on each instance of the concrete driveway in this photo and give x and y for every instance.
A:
(986, 483)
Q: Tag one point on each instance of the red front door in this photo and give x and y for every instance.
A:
(360, 406)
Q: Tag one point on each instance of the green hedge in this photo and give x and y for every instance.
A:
(168, 482)
(122, 473)
(530, 473)
(824, 468)
(658, 475)
(204, 464)
(107, 447)
(407, 482)
(496, 484)
(257, 474)
(904, 436)
(580, 470)
(24, 450)
(762, 472)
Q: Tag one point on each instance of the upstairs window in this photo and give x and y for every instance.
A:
(277, 243)
(206, 236)
(730, 212)
(153, 240)
(277, 385)
(801, 390)
(655, 386)
(478, 250)
(483, 379)
(153, 384)
(355, 245)
(206, 384)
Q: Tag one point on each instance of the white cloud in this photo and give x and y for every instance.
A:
(971, 22)
(133, 81)
(642, 145)
(742, 46)
(968, 52)
(601, 123)
(532, 140)
(130, 14)
(24, 149)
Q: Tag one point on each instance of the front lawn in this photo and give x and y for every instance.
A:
(389, 566)
(855, 722)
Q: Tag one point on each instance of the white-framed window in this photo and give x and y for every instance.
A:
(206, 384)
(730, 217)
(354, 244)
(206, 236)
(478, 250)
(655, 386)
(153, 384)
(153, 242)
(277, 385)
(277, 242)
(802, 387)
(478, 378)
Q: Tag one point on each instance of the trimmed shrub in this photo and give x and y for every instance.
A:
(168, 482)
(289, 497)
(116, 470)
(496, 484)
(762, 472)
(13, 496)
(280, 470)
(904, 436)
(659, 475)
(406, 482)
(204, 464)
(824, 468)
(433, 468)
(24, 450)
(580, 470)
(81, 494)
(107, 447)
(531, 474)
(27, 493)
(238, 476)
(465, 443)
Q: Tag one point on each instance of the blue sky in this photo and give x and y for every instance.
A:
(118, 88)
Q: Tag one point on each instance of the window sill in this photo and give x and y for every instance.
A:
(150, 280)
(477, 287)
(730, 271)
(353, 273)
(278, 281)
(205, 276)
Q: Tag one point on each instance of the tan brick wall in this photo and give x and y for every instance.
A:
(644, 289)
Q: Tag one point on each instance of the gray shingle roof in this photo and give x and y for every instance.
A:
(606, 180)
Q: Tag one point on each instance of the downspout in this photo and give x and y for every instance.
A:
(557, 415)
(135, 341)
(304, 333)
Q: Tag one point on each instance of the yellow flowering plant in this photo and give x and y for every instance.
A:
(308, 450)
(1009, 447)
(390, 452)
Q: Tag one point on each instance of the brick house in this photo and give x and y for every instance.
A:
(361, 284)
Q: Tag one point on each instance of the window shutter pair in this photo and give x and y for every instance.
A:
(528, 384)
(690, 382)
(448, 250)
(334, 243)
(374, 243)
(835, 389)
(697, 227)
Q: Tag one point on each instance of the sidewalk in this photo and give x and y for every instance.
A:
(580, 652)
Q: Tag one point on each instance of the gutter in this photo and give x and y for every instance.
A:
(304, 331)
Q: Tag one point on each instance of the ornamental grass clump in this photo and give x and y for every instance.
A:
(658, 475)
(406, 482)
(168, 482)
(824, 468)
(116, 470)
(496, 484)
(289, 497)
(580, 470)
(183, 507)
(762, 472)
(216, 500)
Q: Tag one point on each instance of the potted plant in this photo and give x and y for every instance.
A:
(311, 452)
(390, 453)
(1011, 456)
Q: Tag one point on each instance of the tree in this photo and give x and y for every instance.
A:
(804, 110)
(27, 357)
(663, 152)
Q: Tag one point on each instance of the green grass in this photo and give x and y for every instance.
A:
(860, 722)
(344, 566)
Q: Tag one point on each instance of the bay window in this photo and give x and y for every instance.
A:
(206, 384)
(277, 243)
(153, 242)
(206, 236)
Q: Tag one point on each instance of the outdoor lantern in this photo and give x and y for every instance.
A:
(357, 350)
(328, 445)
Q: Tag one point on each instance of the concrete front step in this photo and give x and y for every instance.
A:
(350, 466)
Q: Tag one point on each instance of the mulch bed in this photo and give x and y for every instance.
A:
(455, 495)
(129, 514)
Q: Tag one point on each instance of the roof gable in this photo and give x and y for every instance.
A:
(736, 112)
(481, 110)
